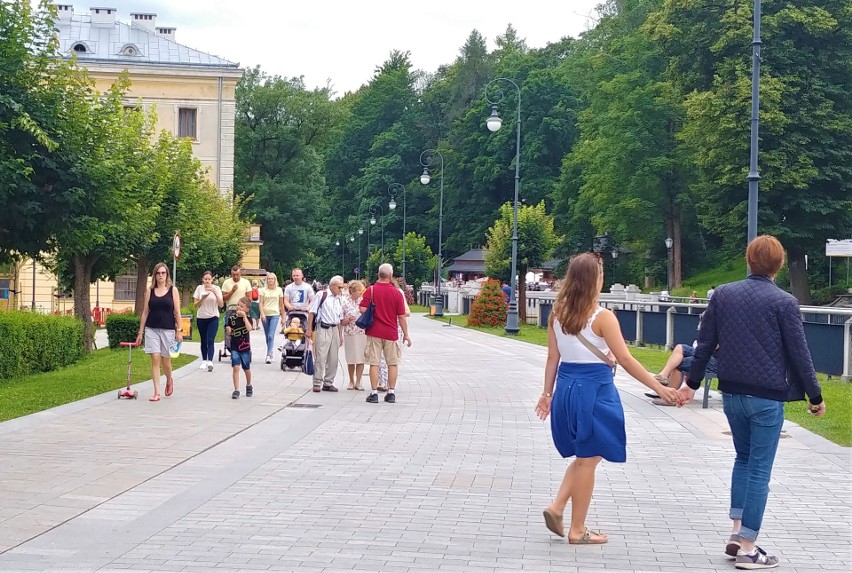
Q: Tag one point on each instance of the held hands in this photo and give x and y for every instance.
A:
(670, 395)
(685, 393)
(542, 407)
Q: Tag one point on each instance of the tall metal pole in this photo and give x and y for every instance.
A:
(512, 324)
(425, 178)
(753, 174)
(393, 190)
(34, 282)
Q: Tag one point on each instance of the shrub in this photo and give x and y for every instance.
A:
(122, 327)
(489, 308)
(31, 343)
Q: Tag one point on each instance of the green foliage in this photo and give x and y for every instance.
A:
(419, 260)
(31, 343)
(101, 371)
(121, 327)
(489, 308)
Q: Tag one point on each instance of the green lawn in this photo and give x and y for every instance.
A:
(836, 425)
(99, 372)
(418, 309)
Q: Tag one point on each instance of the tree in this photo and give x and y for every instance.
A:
(536, 243)
(28, 54)
(489, 308)
(419, 260)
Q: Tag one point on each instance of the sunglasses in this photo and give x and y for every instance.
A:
(161, 273)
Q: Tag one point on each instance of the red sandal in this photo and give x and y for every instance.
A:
(170, 387)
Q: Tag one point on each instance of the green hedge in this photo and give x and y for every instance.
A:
(31, 343)
(122, 327)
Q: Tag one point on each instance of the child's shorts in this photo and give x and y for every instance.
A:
(241, 358)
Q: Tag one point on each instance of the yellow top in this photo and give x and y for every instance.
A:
(294, 332)
(269, 301)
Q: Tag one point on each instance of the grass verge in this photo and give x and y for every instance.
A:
(99, 372)
(836, 425)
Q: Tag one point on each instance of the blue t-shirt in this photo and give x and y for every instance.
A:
(507, 290)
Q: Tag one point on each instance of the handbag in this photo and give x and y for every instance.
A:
(365, 321)
(308, 362)
(597, 352)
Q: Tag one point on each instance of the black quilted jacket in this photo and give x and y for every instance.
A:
(762, 347)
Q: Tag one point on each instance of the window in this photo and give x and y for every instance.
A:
(80, 48)
(125, 287)
(4, 289)
(187, 124)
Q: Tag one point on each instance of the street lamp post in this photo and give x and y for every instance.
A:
(753, 173)
(360, 252)
(393, 191)
(669, 243)
(494, 123)
(373, 209)
(426, 159)
(342, 254)
(351, 240)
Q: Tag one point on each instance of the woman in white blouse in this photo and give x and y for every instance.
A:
(208, 300)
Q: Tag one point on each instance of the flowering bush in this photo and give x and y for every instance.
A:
(489, 308)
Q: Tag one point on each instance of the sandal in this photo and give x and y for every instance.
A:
(554, 523)
(154, 398)
(170, 387)
(586, 539)
(662, 380)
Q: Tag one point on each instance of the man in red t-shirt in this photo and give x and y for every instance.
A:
(382, 337)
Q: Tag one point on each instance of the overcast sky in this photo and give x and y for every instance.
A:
(344, 41)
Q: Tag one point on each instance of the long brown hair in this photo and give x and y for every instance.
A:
(578, 296)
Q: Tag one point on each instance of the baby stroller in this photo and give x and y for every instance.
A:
(295, 344)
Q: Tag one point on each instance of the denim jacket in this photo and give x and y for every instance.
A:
(762, 347)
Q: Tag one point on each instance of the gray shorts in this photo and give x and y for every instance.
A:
(159, 340)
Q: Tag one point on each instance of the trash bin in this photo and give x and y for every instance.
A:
(186, 325)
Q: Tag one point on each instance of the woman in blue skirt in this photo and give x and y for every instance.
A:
(587, 420)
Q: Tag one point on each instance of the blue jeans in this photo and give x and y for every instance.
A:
(756, 428)
(207, 328)
(241, 358)
(270, 325)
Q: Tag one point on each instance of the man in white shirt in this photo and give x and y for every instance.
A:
(298, 295)
(327, 310)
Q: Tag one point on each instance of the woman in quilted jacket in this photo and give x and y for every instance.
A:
(758, 329)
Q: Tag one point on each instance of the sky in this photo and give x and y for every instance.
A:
(342, 42)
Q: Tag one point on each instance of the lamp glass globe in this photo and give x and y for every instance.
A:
(392, 204)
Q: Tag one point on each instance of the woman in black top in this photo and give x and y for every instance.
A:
(160, 323)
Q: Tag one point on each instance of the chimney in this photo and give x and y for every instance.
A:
(167, 33)
(102, 16)
(145, 21)
(64, 12)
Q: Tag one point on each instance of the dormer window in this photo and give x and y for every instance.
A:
(129, 50)
(79, 48)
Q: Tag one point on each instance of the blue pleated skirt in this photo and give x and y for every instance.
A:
(586, 416)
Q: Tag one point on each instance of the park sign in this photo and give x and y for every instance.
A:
(176, 246)
(838, 248)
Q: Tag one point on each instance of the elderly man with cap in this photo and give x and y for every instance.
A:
(324, 319)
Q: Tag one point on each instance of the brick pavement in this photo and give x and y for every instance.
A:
(452, 477)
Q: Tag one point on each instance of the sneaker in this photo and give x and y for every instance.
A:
(329, 388)
(373, 398)
(758, 560)
(203, 365)
(390, 397)
(269, 359)
(733, 545)
(249, 391)
(210, 366)
(235, 394)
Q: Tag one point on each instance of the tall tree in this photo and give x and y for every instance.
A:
(537, 240)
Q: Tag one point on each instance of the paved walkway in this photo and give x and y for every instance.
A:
(452, 477)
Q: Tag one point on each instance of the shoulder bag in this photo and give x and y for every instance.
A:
(597, 352)
(365, 321)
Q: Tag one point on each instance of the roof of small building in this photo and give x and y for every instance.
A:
(472, 255)
(472, 261)
(111, 44)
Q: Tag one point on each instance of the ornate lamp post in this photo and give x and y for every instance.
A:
(426, 159)
(393, 191)
(360, 253)
(494, 123)
(753, 173)
(342, 255)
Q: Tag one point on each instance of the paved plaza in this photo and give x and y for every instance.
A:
(453, 477)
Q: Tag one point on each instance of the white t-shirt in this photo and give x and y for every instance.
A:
(570, 347)
(299, 295)
(243, 288)
(209, 306)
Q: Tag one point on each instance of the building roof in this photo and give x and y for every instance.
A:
(472, 261)
(124, 43)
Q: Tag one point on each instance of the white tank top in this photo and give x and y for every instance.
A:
(570, 347)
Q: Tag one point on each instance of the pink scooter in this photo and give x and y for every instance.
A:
(128, 392)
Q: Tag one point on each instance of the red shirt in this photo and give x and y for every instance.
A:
(389, 305)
